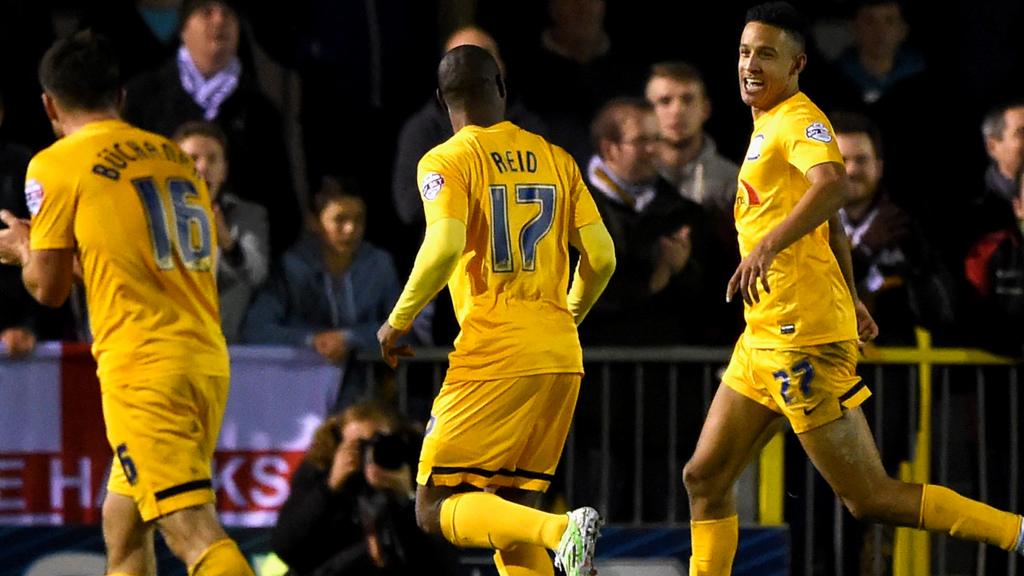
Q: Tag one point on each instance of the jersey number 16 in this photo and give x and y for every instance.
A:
(192, 240)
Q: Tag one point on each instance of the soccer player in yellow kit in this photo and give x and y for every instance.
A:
(797, 357)
(502, 207)
(132, 209)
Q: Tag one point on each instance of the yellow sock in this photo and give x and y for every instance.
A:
(714, 546)
(943, 510)
(484, 520)
(524, 560)
(222, 558)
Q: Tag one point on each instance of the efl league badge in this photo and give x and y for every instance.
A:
(432, 185)
(33, 196)
(754, 152)
(818, 131)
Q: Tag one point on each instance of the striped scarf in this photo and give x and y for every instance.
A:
(208, 93)
(635, 196)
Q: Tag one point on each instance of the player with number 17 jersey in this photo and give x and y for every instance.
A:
(519, 197)
(132, 205)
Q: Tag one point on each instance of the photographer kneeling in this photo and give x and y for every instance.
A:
(351, 509)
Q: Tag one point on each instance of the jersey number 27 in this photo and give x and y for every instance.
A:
(192, 240)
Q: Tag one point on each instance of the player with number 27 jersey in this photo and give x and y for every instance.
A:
(139, 216)
(520, 198)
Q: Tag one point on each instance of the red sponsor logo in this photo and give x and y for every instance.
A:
(752, 198)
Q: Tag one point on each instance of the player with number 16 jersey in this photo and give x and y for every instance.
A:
(132, 206)
(139, 215)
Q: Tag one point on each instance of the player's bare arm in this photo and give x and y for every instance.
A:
(867, 330)
(47, 274)
(827, 194)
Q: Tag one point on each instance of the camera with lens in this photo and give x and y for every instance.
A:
(390, 451)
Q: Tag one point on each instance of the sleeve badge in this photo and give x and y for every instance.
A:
(432, 185)
(818, 131)
(33, 196)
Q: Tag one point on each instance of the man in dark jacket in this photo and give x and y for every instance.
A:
(206, 81)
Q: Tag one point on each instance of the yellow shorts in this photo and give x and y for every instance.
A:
(499, 433)
(809, 385)
(163, 431)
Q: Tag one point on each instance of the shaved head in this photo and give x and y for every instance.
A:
(468, 76)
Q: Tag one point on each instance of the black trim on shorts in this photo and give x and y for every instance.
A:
(442, 470)
(186, 487)
(850, 393)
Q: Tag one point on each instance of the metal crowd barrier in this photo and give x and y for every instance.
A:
(640, 410)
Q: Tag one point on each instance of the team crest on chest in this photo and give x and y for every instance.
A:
(432, 185)
(818, 131)
(33, 195)
(754, 151)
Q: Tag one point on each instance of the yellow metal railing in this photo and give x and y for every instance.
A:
(912, 550)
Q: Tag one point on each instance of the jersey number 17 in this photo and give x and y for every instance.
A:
(531, 233)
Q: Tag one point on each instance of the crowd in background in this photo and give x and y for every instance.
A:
(307, 124)
(307, 120)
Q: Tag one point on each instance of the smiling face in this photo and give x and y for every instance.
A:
(769, 66)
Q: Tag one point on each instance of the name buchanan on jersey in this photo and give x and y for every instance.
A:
(115, 158)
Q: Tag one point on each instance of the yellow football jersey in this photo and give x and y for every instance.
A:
(132, 205)
(809, 302)
(520, 197)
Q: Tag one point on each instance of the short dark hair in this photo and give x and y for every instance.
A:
(994, 122)
(678, 71)
(784, 16)
(468, 74)
(82, 72)
(844, 122)
(190, 6)
(335, 188)
(201, 128)
(607, 124)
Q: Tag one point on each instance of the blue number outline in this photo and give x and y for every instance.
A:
(805, 370)
(532, 232)
(538, 226)
(156, 218)
(501, 244)
(195, 257)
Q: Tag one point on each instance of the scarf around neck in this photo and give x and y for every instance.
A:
(635, 196)
(208, 93)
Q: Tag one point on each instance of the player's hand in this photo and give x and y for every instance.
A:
(14, 240)
(19, 342)
(331, 345)
(867, 330)
(388, 337)
(751, 269)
